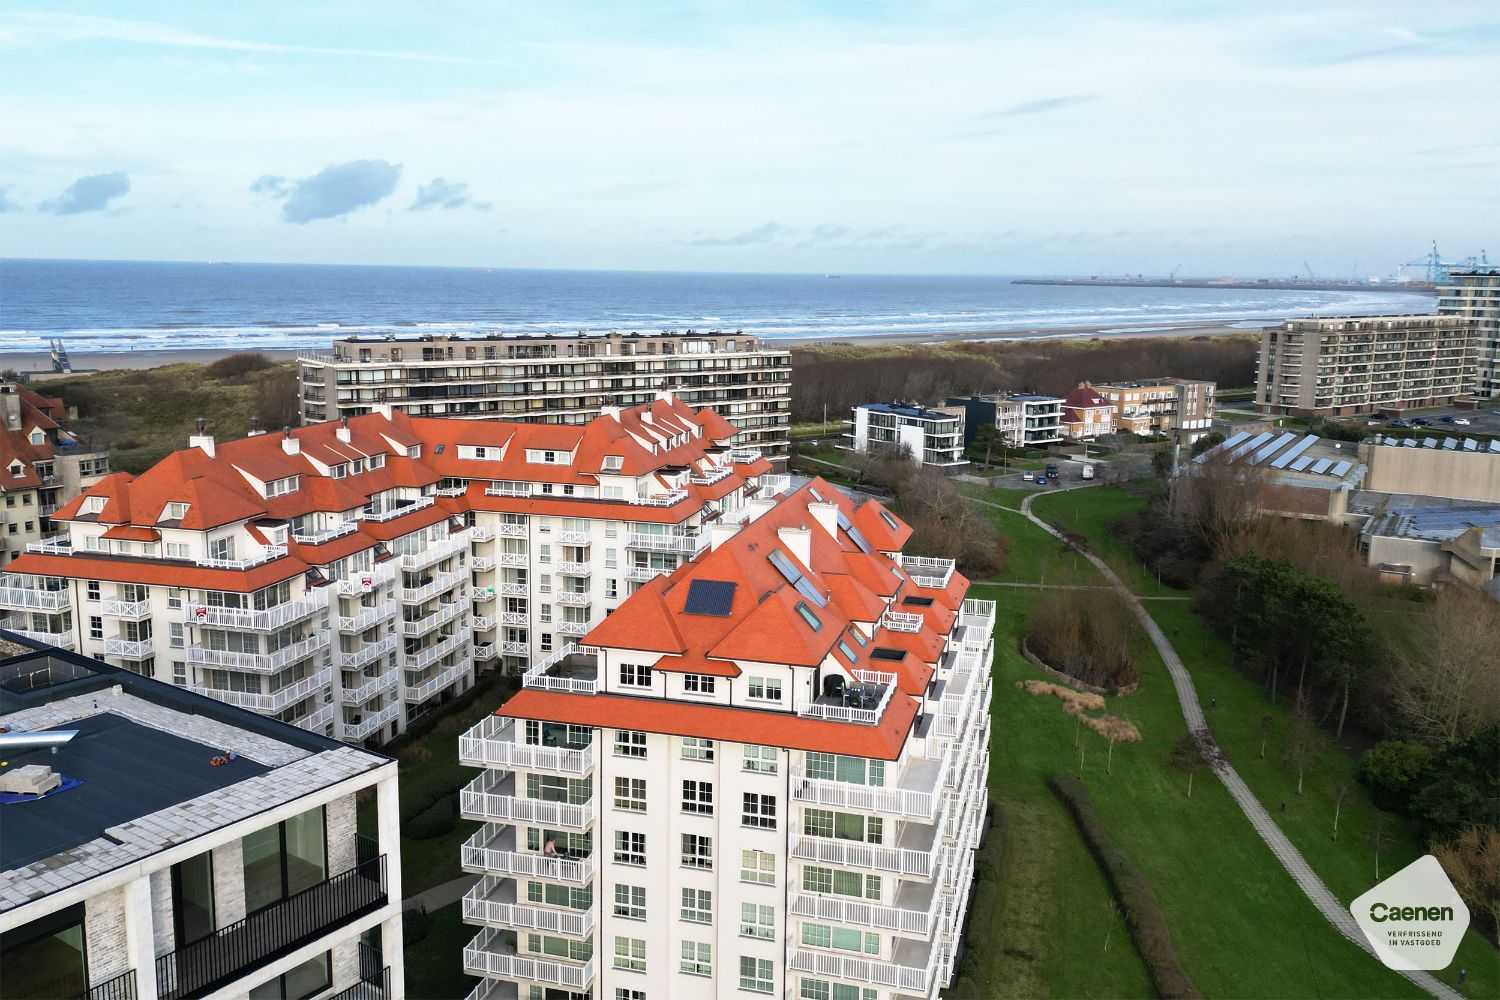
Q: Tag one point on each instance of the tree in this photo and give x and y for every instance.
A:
(1218, 502)
(1207, 441)
(1392, 770)
(1463, 788)
(1472, 861)
(1303, 745)
(1194, 751)
(1340, 793)
(1376, 839)
(1445, 683)
(1265, 725)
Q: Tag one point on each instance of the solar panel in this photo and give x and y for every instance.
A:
(1286, 457)
(1450, 443)
(815, 494)
(1341, 468)
(709, 597)
(1249, 446)
(1302, 463)
(1470, 444)
(806, 589)
(784, 566)
(853, 533)
(1321, 466)
(1429, 442)
(1409, 443)
(1228, 442)
(1281, 442)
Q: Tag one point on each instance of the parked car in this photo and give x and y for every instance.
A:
(1398, 422)
(1462, 421)
(1421, 422)
(1088, 471)
(1028, 477)
(1372, 423)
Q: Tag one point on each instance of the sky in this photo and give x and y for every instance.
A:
(866, 136)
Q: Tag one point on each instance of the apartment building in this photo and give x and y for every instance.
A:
(933, 437)
(1023, 419)
(42, 466)
(159, 844)
(556, 379)
(764, 774)
(1086, 415)
(1332, 366)
(347, 577)
(1475, 295)
(1184, 407)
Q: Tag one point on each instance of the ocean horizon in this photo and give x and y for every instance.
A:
(124, 306)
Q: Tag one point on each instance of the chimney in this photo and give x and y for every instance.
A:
(289, 444)
(202, 439)
(10, 408)
(720, 533)
(255, 430)
(758, 506)
(342, 433)
(610, 411)
(382, 405)
(827, 515)
(798, 541)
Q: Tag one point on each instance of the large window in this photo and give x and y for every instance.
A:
(193, 899)
(757, 974)
(855, 770)
(308, 979)
(284, 859)
(45, 958)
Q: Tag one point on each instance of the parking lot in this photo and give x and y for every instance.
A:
(1481, 421)
(1069, 473)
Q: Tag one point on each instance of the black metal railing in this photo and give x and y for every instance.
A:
(122, 987)
(372, 985)
(267, 934)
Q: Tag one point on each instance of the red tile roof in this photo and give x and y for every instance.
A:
(716, 722)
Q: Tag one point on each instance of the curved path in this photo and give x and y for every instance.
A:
(1286, 852)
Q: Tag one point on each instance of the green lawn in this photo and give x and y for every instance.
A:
(1090, 512)
(1241, 925)
(434, 965)
(1005, 496)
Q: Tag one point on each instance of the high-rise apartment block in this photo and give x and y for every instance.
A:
(348, 576)
(42, 466)
(1475, 295)
(161, 845)
(556, 379)
(1341, 365)
(764, 774)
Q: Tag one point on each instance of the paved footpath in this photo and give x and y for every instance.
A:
(440, 896)
(1286, 852)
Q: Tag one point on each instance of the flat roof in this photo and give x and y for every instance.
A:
(920, 412)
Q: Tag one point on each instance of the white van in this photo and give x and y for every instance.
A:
(1028, 477)
(1088, 471)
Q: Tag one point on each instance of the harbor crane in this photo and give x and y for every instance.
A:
(1435, 269)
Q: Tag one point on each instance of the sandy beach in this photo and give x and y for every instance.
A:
(82, 361)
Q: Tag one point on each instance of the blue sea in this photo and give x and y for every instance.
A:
(116, 306)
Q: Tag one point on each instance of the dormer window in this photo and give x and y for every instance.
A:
(612, 463)
(281, 487)
(377, 462)
(338, 471)
(175, 511)
(37, 437)
(415, 451)
(359, 466)
(93, 505)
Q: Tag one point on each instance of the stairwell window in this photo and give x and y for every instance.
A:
(630, 794)
(698, 797)
(757, 974)
(698, 906)
(761, 760)
(757, 921)
(758, 867)
(630, 954)
(759, 811)
(630, 848)
(697, 958)
(697, 851)
(630, 901)
(695, 748)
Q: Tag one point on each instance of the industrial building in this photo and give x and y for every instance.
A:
(1332, 366)
(158, 844)
(763, 775)
(555, 379)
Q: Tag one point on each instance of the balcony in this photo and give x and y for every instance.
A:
(572, 537)
(317, 721)
(918, 860)
(420, 659)
(512, 589)
(434, 585)
(514, 648)
(576, 629)
(571, 568)
(367, 617)
(57, 545)
(420, 692)
(773, 485)
(264, 620)
(492, 955)
(484, 623)
(268, 704)
(674, 541)
(35, 598)
(641, 574)
(512, 618)
(121, 987)
(492, 797)
(669, 499)
(238, 949)
(62, 640)
(367, 687)
(572, 668)
(370, 722)
(514, 559)
(912, 969)
(492, 902)
(711, 476)
(484, 652)
(366, 653)
(129, 649)
(444, 614)
(863, 702)
(266, 554)
(129, 610)
(481, 532)
(914, 913)
(510, 529)
(915, 798)
(364, 581)
(410, 507)
(321, 535)
(263, 663)
(573, 598)
(901, 621)
(482, 564)
(436, 552)
(492, 851)
(743, 456)
(926, 571)
(494, 742)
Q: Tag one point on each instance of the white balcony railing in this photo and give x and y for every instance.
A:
(483, 905)
(510, 529)
(904, 978)
(321, 535)
(572, 537)
(484, 652)
(370, 722)
(316, 722)
(901, 621)
(512, 647)
(573, 598)
(273, 702)
(514, 559)
(264, 620)
(847, 910)
(489, 955)
(773, 485)
(484, 623)
(364, 581)
(481, 532)
(129, 610)
(575, 629)
(410, 507)
(572, 568)
(492, 742)
(673, 541)
(367, 617)
(441, 583)
(418, 693)
(850, 713)
(906, 802)
(266, 554)
(368, 688)
(258, 662)
(444, 614)
(669, 499)
(641, 574)
(857, 854)
(35, 598)
(436, 552)
(744, 456)
(928, 571)
(62, 640)
(492, 797)
(428, 655)
(711, 476)
(367, 653)
(482, 854)
(129, 649)
(57, 545)
(482, 564)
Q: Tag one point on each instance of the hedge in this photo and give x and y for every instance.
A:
(1142, 910)
(434, 821)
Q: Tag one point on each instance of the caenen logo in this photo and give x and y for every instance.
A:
(1414, 919)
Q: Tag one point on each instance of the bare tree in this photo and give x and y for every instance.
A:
(1303, 745)
(1340, 793)
(1472, 861)
(1193, 752)
(1265, 725)
(1445, 684)
(1218, 502)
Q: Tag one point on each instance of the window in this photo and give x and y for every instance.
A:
(174, 597)
(844, 826)
(179, 673)
(306, 980)
(698, 906)
(697, 958)
(285, 859)
(812, 620)
(174, 630)
(45, 958)
(765, 688)
(621, 993)
(697, 684)
(758, 867)
(698, 797)
(840, 883)
(635, 675)
(760, 811)
(92, 590)
(761, 760)
(96, 627)
(757, 974)
(630, 954)
(842, 938)
(175, 511)
(855, 770)
(697, 851)
(630, 848)
(757, 921)
(630, 743)
(630, 901)
(630, 793)
(694, 748)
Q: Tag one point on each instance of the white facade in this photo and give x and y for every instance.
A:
(934, 438)
(1476, 294)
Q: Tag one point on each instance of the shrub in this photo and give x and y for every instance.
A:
(1463, 788)
(1391, 770)
(434, 821)
(1143, 914)
(239, 365)
(1087, 634)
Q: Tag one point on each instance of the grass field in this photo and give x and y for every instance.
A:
(434, 965)
(1215, 878)
(1090, 512)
